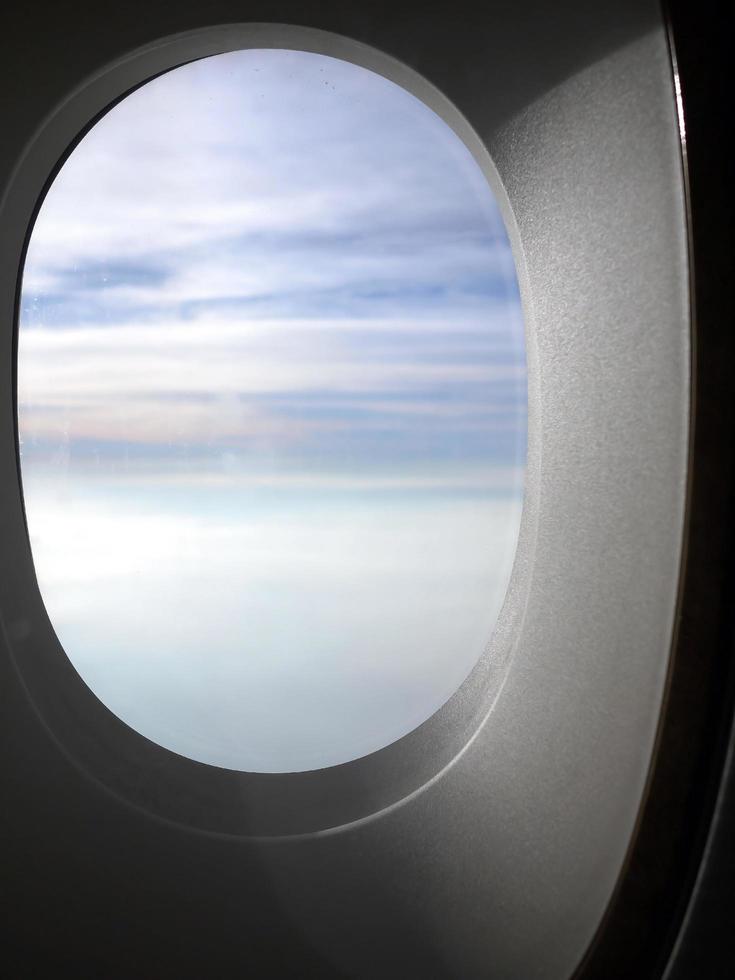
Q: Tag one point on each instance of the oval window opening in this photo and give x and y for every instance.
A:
(272, 410)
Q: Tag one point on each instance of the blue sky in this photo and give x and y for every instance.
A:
(271, 353)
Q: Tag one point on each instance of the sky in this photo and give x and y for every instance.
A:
(272, 410)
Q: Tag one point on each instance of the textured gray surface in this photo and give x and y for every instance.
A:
(503, 830)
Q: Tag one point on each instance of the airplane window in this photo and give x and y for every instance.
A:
(272, 410)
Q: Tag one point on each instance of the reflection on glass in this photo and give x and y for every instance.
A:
(272, 409)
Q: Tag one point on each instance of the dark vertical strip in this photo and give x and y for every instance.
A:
(648, 919)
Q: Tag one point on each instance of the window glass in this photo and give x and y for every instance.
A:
(272, 410)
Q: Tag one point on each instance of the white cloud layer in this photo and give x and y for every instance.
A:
(273, 641)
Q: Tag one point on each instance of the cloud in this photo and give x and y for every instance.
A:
(338, 179)
(272, 640)
(289, 387)
(279, 224)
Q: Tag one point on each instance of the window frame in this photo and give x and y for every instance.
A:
(532, 818)
(149, 776)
